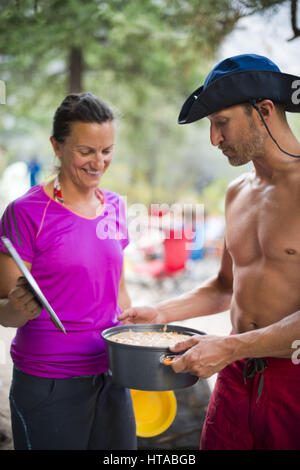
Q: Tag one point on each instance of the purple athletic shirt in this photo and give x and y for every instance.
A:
(77, 263)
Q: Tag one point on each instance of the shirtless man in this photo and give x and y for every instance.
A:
(259, 276)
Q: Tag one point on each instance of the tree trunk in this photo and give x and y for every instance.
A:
(76, 67)
(296, 30)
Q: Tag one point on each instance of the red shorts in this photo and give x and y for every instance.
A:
(236, 420)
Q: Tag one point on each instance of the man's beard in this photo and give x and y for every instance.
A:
(248, 148)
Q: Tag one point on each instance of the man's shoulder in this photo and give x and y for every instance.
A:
(292, 181)
(237, 184)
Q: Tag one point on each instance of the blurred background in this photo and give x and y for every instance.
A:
(144, 58)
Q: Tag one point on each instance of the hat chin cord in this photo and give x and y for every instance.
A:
(253, 102)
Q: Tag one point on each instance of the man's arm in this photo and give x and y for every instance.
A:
(275, 340)
(213, 296)
(207, 355)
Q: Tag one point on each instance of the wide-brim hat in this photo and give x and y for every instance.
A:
(241, 79)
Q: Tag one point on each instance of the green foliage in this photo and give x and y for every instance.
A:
(140, 41)
(142, 57)
(214, 196)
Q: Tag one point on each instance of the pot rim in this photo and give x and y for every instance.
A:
(147, 326)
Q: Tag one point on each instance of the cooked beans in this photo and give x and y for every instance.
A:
(149, 338)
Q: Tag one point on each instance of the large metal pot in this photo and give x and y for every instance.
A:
(141, 367)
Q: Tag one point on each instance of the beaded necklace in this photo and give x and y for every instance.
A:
(57, 194)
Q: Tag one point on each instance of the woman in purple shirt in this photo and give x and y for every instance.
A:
(71, 236)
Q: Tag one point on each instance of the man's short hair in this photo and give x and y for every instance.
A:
(248, 108)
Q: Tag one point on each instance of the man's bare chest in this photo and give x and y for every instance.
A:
(264, 224)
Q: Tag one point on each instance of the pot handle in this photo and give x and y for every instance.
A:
(169, 359)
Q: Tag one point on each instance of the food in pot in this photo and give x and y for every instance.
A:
(149, 338)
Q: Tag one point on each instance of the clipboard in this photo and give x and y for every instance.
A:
(32, 283)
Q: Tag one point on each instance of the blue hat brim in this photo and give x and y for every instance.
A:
(238, 88)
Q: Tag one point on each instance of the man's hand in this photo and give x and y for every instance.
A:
(140, 315)
(205, 355)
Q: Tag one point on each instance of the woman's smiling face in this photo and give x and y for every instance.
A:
(86, 152)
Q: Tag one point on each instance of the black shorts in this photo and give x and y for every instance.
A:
(76, 413)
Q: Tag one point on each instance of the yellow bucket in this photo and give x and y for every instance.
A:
(154, 411)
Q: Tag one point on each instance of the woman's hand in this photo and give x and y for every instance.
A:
(24, 301)
(140, 315)
(205, 355)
